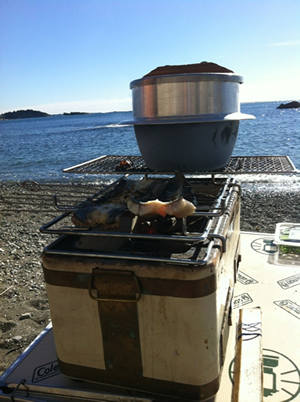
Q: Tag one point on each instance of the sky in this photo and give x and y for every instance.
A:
(81, 55)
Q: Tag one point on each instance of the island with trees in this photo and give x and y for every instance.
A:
(23, 114)
(289, 105)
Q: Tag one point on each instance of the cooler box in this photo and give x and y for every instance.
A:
(159, 328)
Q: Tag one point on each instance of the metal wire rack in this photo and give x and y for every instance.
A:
(122, 164)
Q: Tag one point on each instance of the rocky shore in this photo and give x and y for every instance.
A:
(26, 206)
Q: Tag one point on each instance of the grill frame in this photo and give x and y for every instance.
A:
(110, 164)
(217, 214)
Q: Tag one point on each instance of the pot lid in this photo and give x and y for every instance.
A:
(187, 77)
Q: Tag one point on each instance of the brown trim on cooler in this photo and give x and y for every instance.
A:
(164, 390)
(179, 288)
(120, 337)
(151, 286)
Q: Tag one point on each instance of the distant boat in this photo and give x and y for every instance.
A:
(73, 113)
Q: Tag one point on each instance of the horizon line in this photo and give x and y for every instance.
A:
(123, 111)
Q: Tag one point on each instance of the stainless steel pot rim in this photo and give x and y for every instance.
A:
(209, 118)
(188, 77)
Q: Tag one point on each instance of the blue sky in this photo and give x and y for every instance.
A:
(71, 55)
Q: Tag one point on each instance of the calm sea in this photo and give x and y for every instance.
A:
(40, 148)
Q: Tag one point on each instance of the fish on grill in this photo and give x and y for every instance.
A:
(92, 215)
(167, 200)
(180, 208)
(146, 197)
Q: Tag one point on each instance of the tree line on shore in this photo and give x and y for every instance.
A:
(23, 114)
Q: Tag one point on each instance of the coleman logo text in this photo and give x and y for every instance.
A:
(47, 370)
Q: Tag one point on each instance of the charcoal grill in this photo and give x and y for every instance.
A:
(165, 278)
(136, 292)
(214, 200)
(136, 296)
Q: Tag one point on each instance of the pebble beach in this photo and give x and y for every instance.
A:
(26, 206)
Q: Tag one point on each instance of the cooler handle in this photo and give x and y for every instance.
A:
(125, 279)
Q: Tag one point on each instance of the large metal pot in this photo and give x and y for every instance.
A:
(187, 121)
(186, 98)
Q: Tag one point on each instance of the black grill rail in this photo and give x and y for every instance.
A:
(121, 164)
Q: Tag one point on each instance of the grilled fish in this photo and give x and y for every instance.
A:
(179, 208)
(94, 215)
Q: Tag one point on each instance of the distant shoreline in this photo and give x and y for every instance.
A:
(28, 114)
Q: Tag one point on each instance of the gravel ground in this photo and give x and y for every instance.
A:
(25, 206)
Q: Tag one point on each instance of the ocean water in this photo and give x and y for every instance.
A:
(40, 148)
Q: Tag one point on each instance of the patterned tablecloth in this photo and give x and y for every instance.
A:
(272, 282)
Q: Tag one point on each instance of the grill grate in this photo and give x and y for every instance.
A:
(189, 242)
(113, 164)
